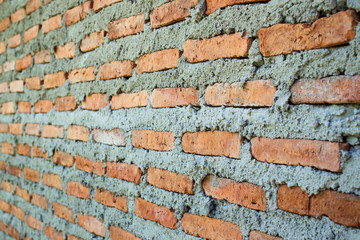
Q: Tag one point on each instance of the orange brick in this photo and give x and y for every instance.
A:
(77, 14)
(8, 108)
(335, 30)
(110, 137)
(17, 86)
(9, 66)
(170, 181)
(116, 69)
(95, 102)
(256, 235)
(224, 46)
(76, 189)
(154, 140)
(40, 201)
(92, 41)
(14, 41)
(2, 166)
(117, 233)
(171, 97)
(33, 83)
(65, 51)
(7, 186)
(18, 15)
(4, 206)
(42, 56)
(336, 90)
(15, 170)
(67, 103)
(157, 61)
(124, 171)
(210, 228)
(31, 174)
(4, 128)
(71, 237)
(50, 131)
(63, 158)
(43, 106)
(171, 12)
(111, 199)
(4, 88)
(2, 226)
(7, 148)
(91, 224)
(12, 232)
(31, 33)
(63, 212)
(18, 212)
(54, 80)
(129, 100)
(100, 4)
(217, 143)
(81, 133)
(23, 149)
(37, 152)
(51, 232)
(24, 107)
(213, 5)
(153, 212)
(15, 128)
(293, 199)
(51, 24)
(4, 23)
(23, 193)
(33, 129)
(34, 223)
(320, 154)
(88, 165)
(126, 26)
(2, 47)
(32, 6)
(82, 75)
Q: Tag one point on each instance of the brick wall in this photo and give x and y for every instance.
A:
(185, 119)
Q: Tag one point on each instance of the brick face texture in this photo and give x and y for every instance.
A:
(179, 119)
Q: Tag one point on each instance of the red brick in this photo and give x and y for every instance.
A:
(40, 201)
(17, 86)
(43, 106)
(24, 107)
(9, 66)
(171, 97)
(81, 133)
(7, 148)
(63, 158)
(154, 140)
(111, 199)
(4, 23)
(217, 143)
(129, 100)
(335, 30)
(110, 137)
(82, 75)
(34, 223)
(335, 90)
(91, 224)
(53, 234)
(31, 174)
(18, 15)
(33, 129)
(23, 149)
(78, 13)
(54, 80)
(2, 47)
(42, 56)
(170, 181)
(71, 237)
(18, 212)
(32, 6)
(88, 165)
(224, 46)
(4, 128)
(124, 171)
(65, 51)
(4, 206)
(153, 212)
(256, 235)
(8, 108)
(117, 233)
(23, 193)
(126, 26)
(100, 4)
(4, 88)
(52, 180)
(51, 24)
(63, 212)
(7, 186)
(15, 170)
(320, 154)
(95, 102)
(31, 33)
(37, 152)
(2, 166)
(14, 41)
(116, 69)
(76, 189)
(171, 12)
(33, 83)
(15, 128)
(293, 199)
(12, 232)
(67, 103)
(157, 61)
(2, 226)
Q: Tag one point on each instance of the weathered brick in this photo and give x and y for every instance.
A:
(126, 26)
(43, 106)
(170, 181)
(54, 80)
(124, 171)
(78, 13)
(37, 152)
(23, 149)
(76, 189)
(213, 5)
(42, 56)
(2, 166)
(63, 158)
(88, 165)
(33, 83)
(51, 131)
(210, 228)
(14, 41)
(8, 108)
(7, 186)
(40, 201)
(9, 66)
(2, 226)
(18, 15)
(171, 12)
(67, 103)
(32, 6)
(24, 107)
(256, 235)
(117, 233)
(129, 100)
(63, 212)
(157, 61)
(18, 212)
(52, 233)
(91, 224)
(224, 46)
(92, 41)
(171, 97)
(110, 137)
(31, 33)
(116, 69)
(34, 223)
(217, 143)
(4, 206)
(65, 51)
(72, 237)
(4, 128)
(31, 174)
(100, 4)
(23, 193)
(15, 170)
(17, 86)
(95, 102)
(293, 199)
(335, 90)
(2, 47)
(335, 30)
(154, 140)
(32, 129)
(81, 133)
(111, 199)
(7, 148)
(4, 88)
(4, 23)
(15, 128)
(12, 232)
(51, 24)
(320, 154)
(82, 75)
